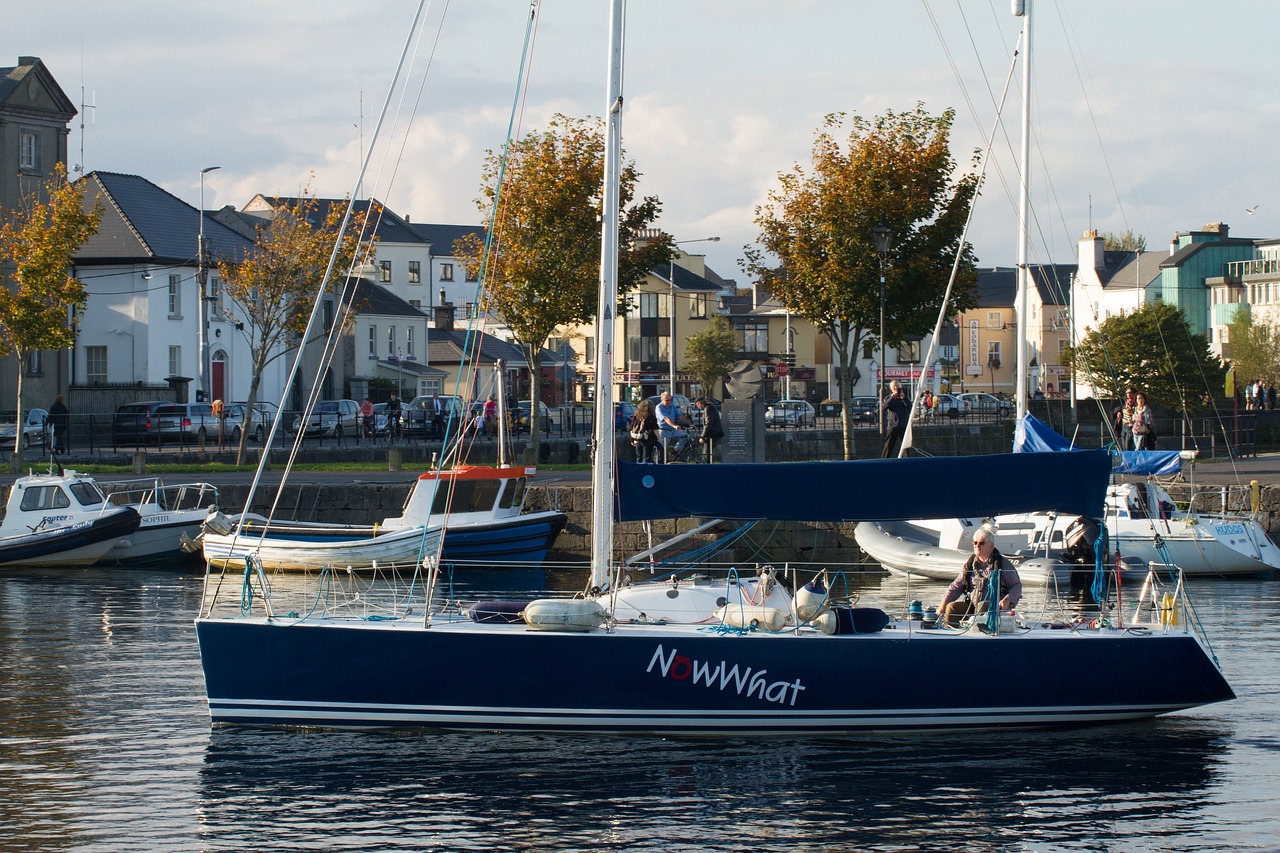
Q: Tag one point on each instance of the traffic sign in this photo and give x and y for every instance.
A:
(783, 368)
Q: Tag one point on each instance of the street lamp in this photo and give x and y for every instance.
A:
(883, 236)
(202, 336)
(671, 356)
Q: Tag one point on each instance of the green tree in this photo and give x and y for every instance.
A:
(710, 353)
(272, 291)
(1153, 350)
(1253, 349)
(1126, 242)
(37, 243)
(816, 253)
(543, 264)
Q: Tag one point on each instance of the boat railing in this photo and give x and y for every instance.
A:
(167, 496)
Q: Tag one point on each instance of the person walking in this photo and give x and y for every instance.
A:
(712, 429)
(60, 422)
(896, 414)
(643, 430)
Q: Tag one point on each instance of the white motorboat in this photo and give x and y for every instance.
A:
(61, 518)
(170, 513)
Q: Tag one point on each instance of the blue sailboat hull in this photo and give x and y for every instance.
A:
(522, 539)
(678, 679)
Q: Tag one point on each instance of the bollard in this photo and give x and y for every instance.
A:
(394, 458)
(139, 461)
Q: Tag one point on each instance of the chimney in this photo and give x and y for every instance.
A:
(444, 314)
(1092, 253)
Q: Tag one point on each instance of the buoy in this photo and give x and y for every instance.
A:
(811, 599)
(1168, 612)
(764, 618)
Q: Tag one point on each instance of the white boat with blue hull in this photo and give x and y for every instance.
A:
(747, 658)
(61, 518)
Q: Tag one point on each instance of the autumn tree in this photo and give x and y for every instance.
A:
(1152, 349)
(1126, 242)
(37, 242)
(1253, 349)
(272, 291)
(816, 253)
(543, 263)
(710, 354)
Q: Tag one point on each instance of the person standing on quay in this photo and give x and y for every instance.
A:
(895, 416)
(60, 421)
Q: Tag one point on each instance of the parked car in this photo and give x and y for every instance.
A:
(258, 425)
(134, 424)
(790, 413)
(986, 404)
(623, 412)
(35, 428)
(947, 406)
(330, 418)
(191, 423)
(520, 417)
(420, 412)
(865, 409)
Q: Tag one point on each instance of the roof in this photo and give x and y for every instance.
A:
(447, 347)
(376, 299)
(998, 286)
(143, 223)
(683, 279)
(1188, 251)
(13, 76)
(390, 226)
(413, 368)
(442, 237)
(1132, 270)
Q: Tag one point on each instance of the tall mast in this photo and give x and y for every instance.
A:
(1022, 8)
(602, 472)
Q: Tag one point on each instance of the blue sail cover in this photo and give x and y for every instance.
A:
(1035, 436)
(868, 490)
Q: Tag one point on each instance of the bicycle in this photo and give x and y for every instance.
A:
(692, 453)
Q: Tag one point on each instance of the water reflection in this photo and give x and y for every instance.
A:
(457, 791)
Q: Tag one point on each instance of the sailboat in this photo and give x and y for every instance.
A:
(736, 656)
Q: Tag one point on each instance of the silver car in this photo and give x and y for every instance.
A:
(790, 413)
(34, 429)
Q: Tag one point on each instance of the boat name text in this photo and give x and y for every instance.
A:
(744, 681)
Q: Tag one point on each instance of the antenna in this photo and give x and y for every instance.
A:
(93, 121)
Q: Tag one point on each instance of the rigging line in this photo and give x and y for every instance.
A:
(485, 260)
(955, 267)
(333, 259)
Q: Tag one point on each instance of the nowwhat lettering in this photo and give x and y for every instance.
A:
(741, 680)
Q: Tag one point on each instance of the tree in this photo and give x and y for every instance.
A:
(542, 268)
(272, 291)
(1153, 350)
(710, 354)
(1126, 242)
(37, 243)
(1253, 349)
(896, 168)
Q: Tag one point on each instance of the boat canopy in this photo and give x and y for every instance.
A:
(1035, 436)
(868, 490)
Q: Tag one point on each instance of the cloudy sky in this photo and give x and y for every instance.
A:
(1148, 115)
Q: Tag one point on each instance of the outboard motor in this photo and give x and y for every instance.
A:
(1078, 540)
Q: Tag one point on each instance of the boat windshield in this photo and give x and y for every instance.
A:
(39, 498)
(87, 494)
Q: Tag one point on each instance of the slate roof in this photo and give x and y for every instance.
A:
(447, 348)
(1131, 270)
(391, 227)
(998, 286)
(442, 237)
(684, 279)
(143, 223)
(373, 298)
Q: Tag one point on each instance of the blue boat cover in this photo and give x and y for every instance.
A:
(868, 490)
(1035, 436)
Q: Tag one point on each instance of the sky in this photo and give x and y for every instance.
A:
(1153, 116)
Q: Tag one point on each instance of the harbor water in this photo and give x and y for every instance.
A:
(105, 745)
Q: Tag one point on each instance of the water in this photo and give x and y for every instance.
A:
(105, 745)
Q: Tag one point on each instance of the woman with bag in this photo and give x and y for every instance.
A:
(1143, 423)
(644, 432)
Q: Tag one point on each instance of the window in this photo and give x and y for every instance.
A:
(328, 315)
(175, 361)
(993, 353)
(415, 272)
(384, 272)
(653, 305)
(373, 341)
(86, 493)
(95, 364)
(35, 363)
(39, 498)
(993, 320)
(654, 349)
(408, 341)
(29, 151)
(217, 309)
(1063, 346)
(175, 299)
(416, 303)
(753, 336)
(391, 341)
(697, 306)
(868, 349)
(909, 352)
(473, 274)
(590, 357)
(432, 387)
(446, 272)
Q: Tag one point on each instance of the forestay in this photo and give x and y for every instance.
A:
(868, 490)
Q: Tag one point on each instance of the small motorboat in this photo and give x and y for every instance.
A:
(170, 513)
(61, 519)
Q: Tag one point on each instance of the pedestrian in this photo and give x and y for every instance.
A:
(437, 416)
(896, 414)
(366, 417)
(712, 429)
(643, 430)
(1143, 424)
(393, 414)
(1122, 419)
(60, 421)
(491, 415)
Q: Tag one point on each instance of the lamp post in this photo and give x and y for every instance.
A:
(202, 314)
(671, 280)
(883, 236)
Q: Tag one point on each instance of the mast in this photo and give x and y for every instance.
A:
(602, 471)
(1022, 8)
